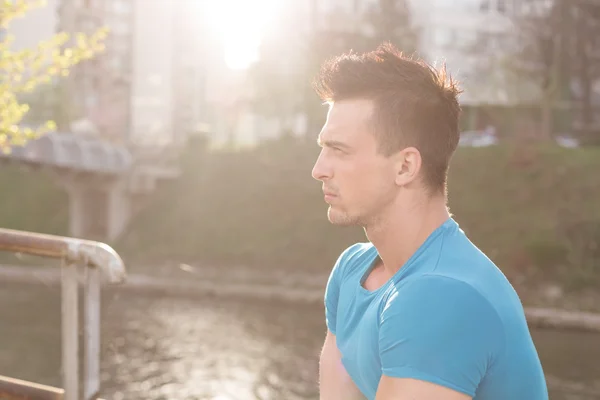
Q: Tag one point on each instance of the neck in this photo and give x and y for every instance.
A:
(403, 229)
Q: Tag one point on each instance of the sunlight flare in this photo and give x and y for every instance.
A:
(239, 25)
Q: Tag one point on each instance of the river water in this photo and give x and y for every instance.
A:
(161, 348)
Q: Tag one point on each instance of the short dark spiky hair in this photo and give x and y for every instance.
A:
(415, 104)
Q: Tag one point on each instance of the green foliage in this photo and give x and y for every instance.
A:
(31, 201)
(547, 254)
(582, 239)
(535, 213)
(261, 207)
(255, 207)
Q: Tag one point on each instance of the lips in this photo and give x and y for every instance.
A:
(328, 192)
(328, 197)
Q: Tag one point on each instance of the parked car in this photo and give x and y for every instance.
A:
(479, 138)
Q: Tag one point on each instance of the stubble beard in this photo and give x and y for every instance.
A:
(341, 218)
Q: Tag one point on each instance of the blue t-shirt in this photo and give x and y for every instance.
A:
(448, 316)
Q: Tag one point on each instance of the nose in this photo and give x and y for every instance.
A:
(321, 170)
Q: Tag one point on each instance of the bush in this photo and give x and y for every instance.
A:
(547, 254)
(261, 207)
(582, 238)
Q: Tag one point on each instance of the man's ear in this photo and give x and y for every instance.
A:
(407, 165)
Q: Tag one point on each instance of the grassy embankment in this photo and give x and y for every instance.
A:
(534, 211)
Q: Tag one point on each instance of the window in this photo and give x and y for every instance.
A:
(91, 100)
(121, 7)
(116, 63)
(501, 6)
(90, 3)
(465, 39)
(120, 27)
(444, 37)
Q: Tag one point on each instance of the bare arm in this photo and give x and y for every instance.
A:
(413, 389)
(334, 381)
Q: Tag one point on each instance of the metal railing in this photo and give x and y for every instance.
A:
(96, 257)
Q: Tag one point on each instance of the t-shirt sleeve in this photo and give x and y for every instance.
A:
(332, 293)
(332, 290)
(439, 330)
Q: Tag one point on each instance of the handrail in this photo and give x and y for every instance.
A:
(72, 250)
(96, 257)
(18, 389)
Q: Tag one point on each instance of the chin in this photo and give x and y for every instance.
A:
(336, 217)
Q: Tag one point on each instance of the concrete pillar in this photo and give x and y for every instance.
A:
(118, 211)
(77, 210)
(98, 211)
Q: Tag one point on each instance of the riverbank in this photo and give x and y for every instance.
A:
(188, 283)
(531, 209)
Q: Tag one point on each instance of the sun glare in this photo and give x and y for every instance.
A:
(239, 26)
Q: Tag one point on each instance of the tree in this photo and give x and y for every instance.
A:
(549, 33)
(25, 70)
(585, 71)
(390, 21)
(561, 48)
(289, 60)
(551, 60)
(519, 67)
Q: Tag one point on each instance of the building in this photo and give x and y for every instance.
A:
(155, 86)
(38, 24)
(151, 86)
(151, 100)
(99, 90)
(448, 31)
(177, 72)
(459, 33)
(190, 63)
(468, 36)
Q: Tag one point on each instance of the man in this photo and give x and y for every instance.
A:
(418, 312)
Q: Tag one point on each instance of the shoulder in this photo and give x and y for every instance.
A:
(357, 250)
(442, 302)
(435, 317)
(353, 257)
(347, 261)
(435, 288)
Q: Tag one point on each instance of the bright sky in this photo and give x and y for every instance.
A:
(240, 26)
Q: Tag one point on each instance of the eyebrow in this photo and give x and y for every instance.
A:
(332, 143)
